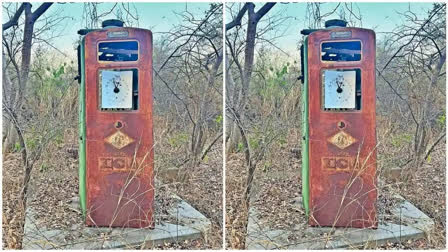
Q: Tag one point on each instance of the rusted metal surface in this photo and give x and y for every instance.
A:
(120, 188)
(342, 143)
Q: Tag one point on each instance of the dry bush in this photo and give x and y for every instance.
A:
(426, 188)
(200, 186)
(53, 189)
(48, 114)
(278, 193)
(410, 121)
(50, 123)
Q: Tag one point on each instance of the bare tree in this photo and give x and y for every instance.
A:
(94, 13)
(414, 72)
(24, 69)
(251, 128)
(249, 52)
(241, 46)
(316, 16)
(13, 95)
(189, 71)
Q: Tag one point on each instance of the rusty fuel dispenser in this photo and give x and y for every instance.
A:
(115, 125)
(339, 138)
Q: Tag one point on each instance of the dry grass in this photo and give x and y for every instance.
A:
(54, 183)
(278, 187)
(200, 186)
(203, 190)
(426, 190)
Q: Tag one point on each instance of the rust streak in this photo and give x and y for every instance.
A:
(342, 189)
(120, 187)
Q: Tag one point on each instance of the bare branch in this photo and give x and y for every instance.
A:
(14, 20)
(42, 8)
(237, 20)
(188, 40)
(207, 149)
(265, 9)
(428, 152)
(414, 35)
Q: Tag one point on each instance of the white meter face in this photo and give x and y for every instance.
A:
(339, 89)
(116, 89)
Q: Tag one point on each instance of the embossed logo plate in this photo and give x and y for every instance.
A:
(342, 140)
(119, 140)
(338, 163)
(119, 163)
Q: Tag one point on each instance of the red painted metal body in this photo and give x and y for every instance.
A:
(120, 188)
(342, 180)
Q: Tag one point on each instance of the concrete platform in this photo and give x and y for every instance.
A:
(407, 222)
(185, 223)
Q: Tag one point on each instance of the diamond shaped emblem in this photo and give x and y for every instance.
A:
(342, 140)
(119, 140)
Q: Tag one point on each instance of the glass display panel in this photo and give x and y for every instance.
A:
(118, 51)
(341, 51)
(116, 89)
(339, 89)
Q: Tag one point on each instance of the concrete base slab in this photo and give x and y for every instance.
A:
(408, 223)
(187, 223)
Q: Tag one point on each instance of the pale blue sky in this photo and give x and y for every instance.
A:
(158, 17)
(380, 17)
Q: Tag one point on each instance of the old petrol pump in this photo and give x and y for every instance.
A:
(339, 138)
(115, 125)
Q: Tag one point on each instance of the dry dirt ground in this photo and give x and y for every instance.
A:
(12, 209)
(278, 187)
(55, 183)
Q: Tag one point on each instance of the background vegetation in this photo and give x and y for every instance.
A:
(40, 115)
(263, 111)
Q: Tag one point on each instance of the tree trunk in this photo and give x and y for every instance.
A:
(17, 96)
(249, 53)
(241, 95)
(421, 135)
(199, 138)
(9, 131)
(233, 131)
(14, 109)
(26, 56)
(11, 137)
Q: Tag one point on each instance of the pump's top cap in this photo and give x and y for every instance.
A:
(112, 22)
(335, 23)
